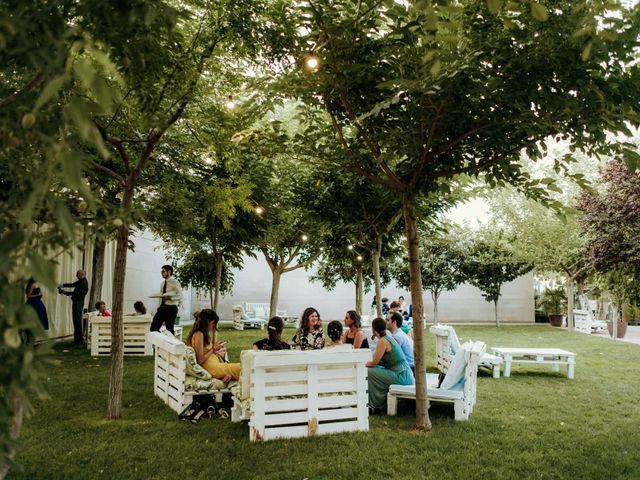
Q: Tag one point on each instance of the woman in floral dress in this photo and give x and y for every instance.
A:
(309, 336)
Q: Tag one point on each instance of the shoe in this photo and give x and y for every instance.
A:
(197, 416)
(187, 413)
(223, 412)
(211, 411)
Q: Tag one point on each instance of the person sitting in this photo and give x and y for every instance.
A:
(395, 369)
(385, 307)
(334, 330)
(275, 327)
(102, 309)
(139, 309)
(393, 308)
(209, 352)
(394, 326)
(354, 335)
(309, 336)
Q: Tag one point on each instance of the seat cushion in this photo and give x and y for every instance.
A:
(193, 384)
(193, 368)
(455, 374)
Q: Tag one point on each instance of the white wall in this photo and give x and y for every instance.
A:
(466, 304)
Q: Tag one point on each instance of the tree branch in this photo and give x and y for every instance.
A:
(116, 143)
(306, 263)
(26, 88)
(108, 171)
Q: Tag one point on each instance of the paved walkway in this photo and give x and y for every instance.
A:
(632, 335)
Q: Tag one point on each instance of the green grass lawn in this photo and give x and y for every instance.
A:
(535, 424)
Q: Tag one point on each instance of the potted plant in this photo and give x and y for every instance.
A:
(554, 304)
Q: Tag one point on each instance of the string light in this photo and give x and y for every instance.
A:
(350, 247)
(359, 258)
(230, 103)
(259, 210)
(305, 238)
(312, 63)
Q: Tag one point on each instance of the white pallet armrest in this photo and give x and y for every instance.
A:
(170, 373)
(298, 394)
(463, 397)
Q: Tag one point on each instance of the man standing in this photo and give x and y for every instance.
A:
(394, 322)
(169, 299)
(80, 290)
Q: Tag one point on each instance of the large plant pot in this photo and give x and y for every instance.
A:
(555, 320)
(622, 328)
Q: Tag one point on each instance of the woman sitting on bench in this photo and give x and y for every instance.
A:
(310, 335)
(209, 352)
(395, 369)
(274, 341)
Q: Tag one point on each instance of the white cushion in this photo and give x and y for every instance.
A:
(453, 341)
(260, 312)
(455, 374)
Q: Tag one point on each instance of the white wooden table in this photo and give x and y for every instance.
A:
(553, 356)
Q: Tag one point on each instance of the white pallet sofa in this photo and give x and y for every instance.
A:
(170, 374)
(244, 318)
(447, 344)
(135, 330)
(291, 394)
(462, 393)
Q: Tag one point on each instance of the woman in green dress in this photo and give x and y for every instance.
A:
(387, 367)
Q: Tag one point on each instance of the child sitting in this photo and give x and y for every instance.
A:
(139, 308)
(102, 309)
(334, 330)
(275, 327)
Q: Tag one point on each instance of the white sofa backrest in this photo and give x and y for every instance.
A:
(299, 394)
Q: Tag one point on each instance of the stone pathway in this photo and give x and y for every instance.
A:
(632, 335)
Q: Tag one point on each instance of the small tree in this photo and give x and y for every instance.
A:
(490, 264)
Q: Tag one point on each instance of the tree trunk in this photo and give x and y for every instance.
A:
(434, 297)
(218, 280)
(275, 289)
(614, 319)
(376, 275)
(117, 338)
(415, 283)
(211, 298)
(16, 426)
(97, 271)
(570, 304)
(359, 291)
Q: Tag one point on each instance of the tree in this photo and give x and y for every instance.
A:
(611, 223)
(431, 90)
(41, 187)
(166, 56)
(490, 263)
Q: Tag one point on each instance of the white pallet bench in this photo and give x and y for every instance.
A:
(463, 396)
(291, 394)
(135, 331)
(170, 373)
(553, 356)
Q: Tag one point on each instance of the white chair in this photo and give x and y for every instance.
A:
(242, 319)
(458, 387)
(447, 345)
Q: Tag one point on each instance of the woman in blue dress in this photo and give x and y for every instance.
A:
(387, 367)
(34, 298)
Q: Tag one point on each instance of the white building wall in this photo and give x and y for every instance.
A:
(466, 304)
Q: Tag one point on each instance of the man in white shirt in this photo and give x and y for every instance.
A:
(170, 297)
(394, 322)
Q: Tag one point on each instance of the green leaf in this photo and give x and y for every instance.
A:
(43, 269)
(494, 6)
(539, 12)
(586, 51)
(11, 241)
(49, 90)
(71, 166)
(12, 338)
(435, 68)
(65, 220)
